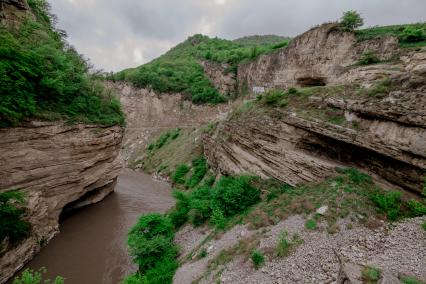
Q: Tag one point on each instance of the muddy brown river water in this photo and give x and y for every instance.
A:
(91, 247)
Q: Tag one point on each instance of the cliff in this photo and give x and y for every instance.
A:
(148, 114)
(317, 57)
(371, 117)
(58, 167)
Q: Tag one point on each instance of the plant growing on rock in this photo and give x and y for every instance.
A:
(412, 34)
(351, 20)
(369, 57)
(371, 275)
(258, 258)
(12, 223)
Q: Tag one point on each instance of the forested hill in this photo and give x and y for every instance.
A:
(179, 70)
(41, 76)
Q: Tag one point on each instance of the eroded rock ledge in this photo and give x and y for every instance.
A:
(55, 165)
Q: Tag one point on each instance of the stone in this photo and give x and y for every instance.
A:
(322, 210)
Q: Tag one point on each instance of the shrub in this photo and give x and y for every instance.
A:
(311, 224)
(351, 20)
(355, 176)
(412, 34)
(200, 170)
(30, 276)
(218, 219)
(199, 203)
(272, 97)
(388, 203)
(283, 246)
(411, 280)
(233, 195)
(179, 215)
(180, 173)
(424, 225)
(280, 45)
(150, 242)
(371, 274)
(369, 57)
(12, 224)
(416, 208)
(258, 258)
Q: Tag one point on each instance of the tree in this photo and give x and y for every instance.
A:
(351, 20)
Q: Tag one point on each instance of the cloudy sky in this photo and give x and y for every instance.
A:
(118, 34)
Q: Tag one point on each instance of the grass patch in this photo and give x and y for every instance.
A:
(164, 138)
(257, 258)
(409, 35)
(371, 275)
(286, 246)
(311, 224)
(411, 280)
(180, 173)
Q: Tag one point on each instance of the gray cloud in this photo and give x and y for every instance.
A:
(126, 33)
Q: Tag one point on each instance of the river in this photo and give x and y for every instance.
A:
(91, 247)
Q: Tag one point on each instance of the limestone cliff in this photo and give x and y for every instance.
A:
(317, 57)
(57, 166)
(371, 117)
(148, 114)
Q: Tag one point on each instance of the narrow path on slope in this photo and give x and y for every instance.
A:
(91, 247)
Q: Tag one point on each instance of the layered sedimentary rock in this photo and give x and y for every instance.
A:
(317, 57)
(148, 114)
(379, 122)
(12, 12)
(57, 166)
(222, 78)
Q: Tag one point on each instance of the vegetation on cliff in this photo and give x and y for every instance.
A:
(30, 276)
(179, 70)
(42, 77)
(409, 35)
(13, 226)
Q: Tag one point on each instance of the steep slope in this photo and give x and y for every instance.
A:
(181, 70)
(372, 117)
(60, 130)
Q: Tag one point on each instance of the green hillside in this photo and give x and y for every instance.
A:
(261, 40)
(42, 77)
(179, 70)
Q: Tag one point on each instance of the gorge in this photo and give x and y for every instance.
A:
(259, 160)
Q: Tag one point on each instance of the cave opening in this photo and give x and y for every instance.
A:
(311, 81)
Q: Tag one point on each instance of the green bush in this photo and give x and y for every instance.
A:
(179, 215)
(258, 258)
(233, 195)
(12, 224)
(412, 34)
(416, 208)
(411, 280)
(351, 20)
(43, 77)
(311, 224)
(355, 176)
(388, 203)
(283, 245)
(150, 241)
(199, 171)
(199, 203)
(369, 57)
(371, 275)
(281, 44)
(30, 276)
(272, 97)
(180, 173)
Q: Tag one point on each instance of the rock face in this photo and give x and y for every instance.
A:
(149, 114)
(221, 77)
(383, 133)
(58, 167)
(315, 58)
(12, 12)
